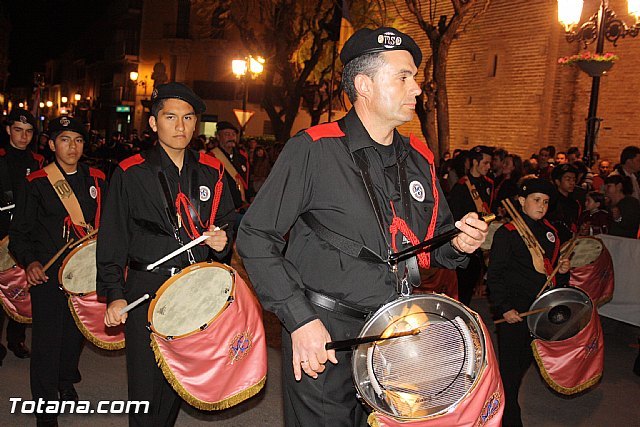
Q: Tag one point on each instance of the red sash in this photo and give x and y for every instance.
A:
(483, 406)
(575, 364)
(596, 279)
(88, 312)
(223, 365)
(14, 294)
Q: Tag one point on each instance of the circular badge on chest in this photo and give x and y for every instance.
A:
(417, 190)
(205, 193)
(93, 192)
(551, 237)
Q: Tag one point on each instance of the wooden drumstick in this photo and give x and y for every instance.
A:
(134, 304)
(335, 345)
(570, 247)
(526, 313)
(183, 248)
(67, 246)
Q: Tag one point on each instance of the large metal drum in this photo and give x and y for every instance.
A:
(568, 312)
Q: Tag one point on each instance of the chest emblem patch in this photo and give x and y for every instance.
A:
(551, 237)
(93, 192)
(417, 191)
(205, 193)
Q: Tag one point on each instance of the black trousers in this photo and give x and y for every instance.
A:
(15, 330)
(514, 344)
(56, 343)
(469, 277)
(330, 400)
(146, 382)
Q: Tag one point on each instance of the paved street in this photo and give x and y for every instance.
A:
(614, 402)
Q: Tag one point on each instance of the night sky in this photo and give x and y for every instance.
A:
(43, 29)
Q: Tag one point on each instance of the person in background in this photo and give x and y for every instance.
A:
(624, 208)
(604, 169)
(595, 219)
(561, 158)
(544, 166)
(509, 186)
(573, 155)
(630, 167)
(564, 209)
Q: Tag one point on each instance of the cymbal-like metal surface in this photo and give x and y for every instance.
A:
(570, 312)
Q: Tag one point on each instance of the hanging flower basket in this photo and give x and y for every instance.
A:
(593, 64)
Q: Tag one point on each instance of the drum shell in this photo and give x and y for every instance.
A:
(579, 304)
(77, 274)
(14, 294)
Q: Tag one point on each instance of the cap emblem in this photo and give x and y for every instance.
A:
(154, 95)
(65, 122)
(24, 120)
(389, 40)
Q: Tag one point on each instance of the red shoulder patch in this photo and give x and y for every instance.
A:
(463, 180)
(97, 173)
(422, 148)
(509, 226)
(41, 173)
(326, 130)
(3, 152)
(38, 158)
(209, 160)
(243, 153)
(489, 180)
(131, 161)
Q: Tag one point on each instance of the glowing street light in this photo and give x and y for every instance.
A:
(49, 104)
(244, 69)
(64, 99)
(77, 97)
(41, 105)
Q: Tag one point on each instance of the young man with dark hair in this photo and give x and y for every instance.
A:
(573, 155)
(159, 200)
(564, 209)
(16, 162)
(59, 202)
(630, 167)
(625, 209)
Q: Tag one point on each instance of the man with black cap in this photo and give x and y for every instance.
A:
(16, 162)
(59, 202)
(236, 161)
(159, 200)
(565, 210)
(516, 274)
(472, 193)
(355, 183)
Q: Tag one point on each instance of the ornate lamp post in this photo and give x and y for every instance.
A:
(245, 70)
(604, 24)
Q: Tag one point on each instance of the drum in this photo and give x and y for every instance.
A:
(569, 347)
(77, 277)
(447, 374)
(14, 290)
(592, 269)
(208, 337)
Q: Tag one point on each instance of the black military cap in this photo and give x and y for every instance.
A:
(175, 90)
(559, 171)
(66, 123)
(536, 185)
(382, 39)
(22, 116)
(225, 125)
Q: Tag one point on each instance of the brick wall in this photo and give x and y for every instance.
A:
(530, 101)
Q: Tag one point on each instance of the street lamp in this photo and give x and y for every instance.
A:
(64, 99)
(77, 97)
(49, 104)
(133, 76)
(245, 70)
(604, 24)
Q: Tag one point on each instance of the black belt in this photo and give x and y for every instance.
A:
(139, 266)
(335, 305)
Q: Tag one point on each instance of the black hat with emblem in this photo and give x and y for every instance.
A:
(66, 123)
(175, 90)
(23, 116)
(383, 39)
(537, 185)
(559, 171)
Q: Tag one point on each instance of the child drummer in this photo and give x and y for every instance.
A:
(57, 203)
(515, 277)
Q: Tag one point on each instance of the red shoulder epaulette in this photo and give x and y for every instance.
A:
(463, 180)
(243, 153)
(209, 160)
(131, 161)
(422, 148)
(325, 130)
(3, 152)
(489, 180)
(38, 158)
(509, 226)
(97, 173)
(40, 173)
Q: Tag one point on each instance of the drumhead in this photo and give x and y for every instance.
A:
(586, 252)
(569, 312)
(189, 301)
(423, 375)
(78, 272)
(6, 260)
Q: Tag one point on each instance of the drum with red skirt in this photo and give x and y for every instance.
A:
(592, 269)
(14, 290)
(208, 337)
(568, 345)
(77, 277)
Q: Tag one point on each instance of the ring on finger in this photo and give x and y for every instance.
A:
(302, 362)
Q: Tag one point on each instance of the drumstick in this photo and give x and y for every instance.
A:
(570, 247)
(333, 345)
(526, 313)
(65, 247)
(184, 248)
(134, 304)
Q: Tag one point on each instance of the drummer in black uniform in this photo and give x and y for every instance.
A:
(41, 226)
(16, 162)
(319, 289)
(142, 224)
(565, 211)
(514, 283)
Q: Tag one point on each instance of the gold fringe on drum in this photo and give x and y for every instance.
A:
(15, 316)
(557, 387)
(194, 401)
(119, 345)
